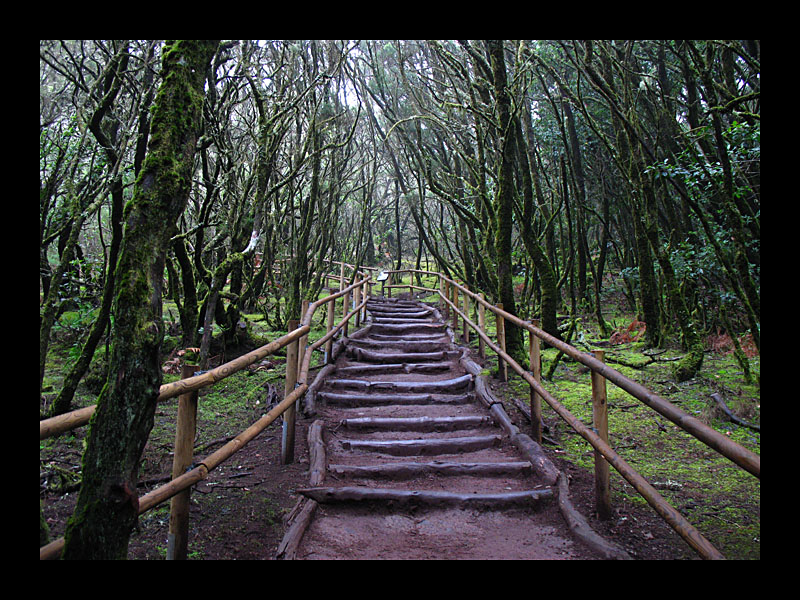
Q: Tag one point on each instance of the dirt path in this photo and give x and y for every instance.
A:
(411, 464)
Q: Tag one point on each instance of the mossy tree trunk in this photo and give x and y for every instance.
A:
(107, 506)
(504, 196)
(547, 275)
(691, 363)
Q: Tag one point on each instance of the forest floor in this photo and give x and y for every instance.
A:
(239, 511)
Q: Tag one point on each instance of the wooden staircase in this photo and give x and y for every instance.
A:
(414, 466)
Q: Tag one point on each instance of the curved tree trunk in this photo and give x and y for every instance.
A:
(504, 198)
(107, 506)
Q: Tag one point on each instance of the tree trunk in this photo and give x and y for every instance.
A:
(63, 401)
(547, 276)
(504, 198)
(107, 506)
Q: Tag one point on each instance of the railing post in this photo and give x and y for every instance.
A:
(500, 325)
(534, 356)
(466, 312)
(178, 537)
(446, 313)
(345, 310)
(287, 438)
(303, 341)
(602, 488)
(482, 325)
(356, 302)
(454, 300)
(329, 343)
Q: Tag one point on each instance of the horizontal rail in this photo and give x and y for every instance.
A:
(80, 417)
(685, 529)
(746, 459)
(77, 418)
(71, 420)
(306, 362)
(200, 472)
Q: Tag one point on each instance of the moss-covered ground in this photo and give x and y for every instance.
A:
(719, 498)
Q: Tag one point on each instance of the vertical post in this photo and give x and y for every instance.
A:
(287, 439)
(345, 310)
(602, 488)
(441, 293)
(455, 314)
(482, 325)
(178, 537)
(301, 346)
(536, 368)
(447, 297)
(356, 302)
(502, 366)
(466, 312)
(329, 343)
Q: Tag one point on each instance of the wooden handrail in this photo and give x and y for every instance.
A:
(741, 456)
(77, 418)
(200, 472)
(161, 494)
(685, 529)
(748, 460)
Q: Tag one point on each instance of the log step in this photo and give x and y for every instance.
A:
(435, 337)
(417, 423)
(407, 314)
(354, 400)
(430, 498)
(362, 355)
(427, 387)
(404, 346)
(424, 447)
(406, 328)
(393, 368)
(410, 470)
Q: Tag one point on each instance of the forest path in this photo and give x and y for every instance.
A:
(415, 466)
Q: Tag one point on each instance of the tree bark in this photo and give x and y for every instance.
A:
(504, 198)
(107, 505)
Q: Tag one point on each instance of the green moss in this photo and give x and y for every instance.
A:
(715, 495)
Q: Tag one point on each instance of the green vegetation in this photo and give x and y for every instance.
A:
(194, 193)
(715, 495)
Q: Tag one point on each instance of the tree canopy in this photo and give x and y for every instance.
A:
(547, 174)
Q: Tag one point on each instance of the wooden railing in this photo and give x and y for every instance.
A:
(448, 292)
(297, 366)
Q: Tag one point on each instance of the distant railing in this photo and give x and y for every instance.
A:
(448, 292)
(297, 366)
